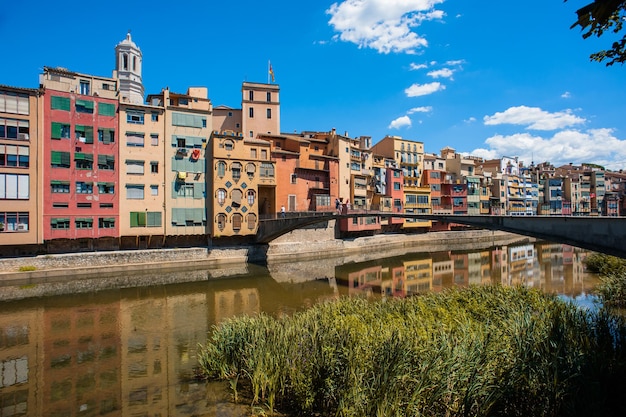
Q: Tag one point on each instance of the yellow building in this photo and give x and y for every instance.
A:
(20, 189)
(409, 156)
(187, 129)
(242, 182)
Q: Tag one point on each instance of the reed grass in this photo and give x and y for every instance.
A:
(481, 351)
(612, 287)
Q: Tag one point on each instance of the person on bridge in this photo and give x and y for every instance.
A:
(282, 211)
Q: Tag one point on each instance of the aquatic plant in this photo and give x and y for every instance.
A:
(480, 351)
(612, 287)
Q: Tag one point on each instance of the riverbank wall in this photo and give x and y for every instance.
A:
(300, 245)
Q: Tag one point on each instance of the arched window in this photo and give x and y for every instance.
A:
(134, 63)
(125, 62)
(251, 220)
(221, 196)
(251, 197)
(221, 168)
(236, 195)
(221, 221)
(235, 170)
(250, 169)
(237, 219)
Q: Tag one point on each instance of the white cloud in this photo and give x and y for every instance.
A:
(424, 109)
(442, 73)
(455, 62)
(403, 121)
(470, 120)
(417, 90)
(599, 146)
(566, 94)
(534, 118)
(415, 67)
(383, 25)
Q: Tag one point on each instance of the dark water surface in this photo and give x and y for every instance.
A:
(102, 350)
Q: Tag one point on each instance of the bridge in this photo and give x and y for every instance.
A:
(599, 234)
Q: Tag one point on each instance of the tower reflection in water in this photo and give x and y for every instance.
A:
(131, 352)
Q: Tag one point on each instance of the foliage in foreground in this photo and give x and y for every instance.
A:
(482, 351)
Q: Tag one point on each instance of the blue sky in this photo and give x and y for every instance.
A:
(487, 78)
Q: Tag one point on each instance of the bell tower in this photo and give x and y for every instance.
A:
(128, 62)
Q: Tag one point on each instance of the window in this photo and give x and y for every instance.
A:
(14, 222)
(134, 117)
(83, 205)
(264, 154)
(106, 205)
(221, 221)
(235, 170)
(237, 219)
(134, 191)
(58, 131)
(14, 187)
(83, 134)
(184, 190)
(293, 178)
(106, 223)
(106, 188)
(251, 134)
(83, 160)
(251, 218)
(134, 167)
(84, 187)
(154, 139)
(14, 156)
(14, 103)
(251, 197)
(251, 95)
(154, 116)
(236, 195)
(106, 135)
(106, 109)
(267, 169)
(84, 87)
(60, 205)
(269, 97)
(269, 113)
(183, 101)
(228, 145)
(84, 106)
(253, 153)
(135, 139)
(59, 223)
(221, 169)
(154, 167)
(154, 190)
(250, 169)
(251, 112)
(221, 196)
(83, 223)
(60, 103)
(60, 187)
(396, 186)
(106, 162)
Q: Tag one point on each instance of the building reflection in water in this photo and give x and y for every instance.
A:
(132, 352)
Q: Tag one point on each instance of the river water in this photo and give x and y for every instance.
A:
(130, 349)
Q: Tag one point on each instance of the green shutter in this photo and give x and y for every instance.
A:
(198, 190)
(153, 219)
(56, 130)
(102, 159)
(133, 219)
(60, 103)
(89, 134)
(141, 218)
(65, 158)
(89, 157)
(106, 109)
(79, 156)
(85, 103)
(56, 158)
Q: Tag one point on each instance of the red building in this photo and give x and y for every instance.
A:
(80, 156)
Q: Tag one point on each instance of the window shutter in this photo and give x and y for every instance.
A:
(198, 190)
(56, 158)
(60, 103)
(56, 130)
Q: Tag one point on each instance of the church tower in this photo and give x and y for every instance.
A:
(128, 61)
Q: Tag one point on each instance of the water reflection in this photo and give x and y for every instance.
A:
(130, 352)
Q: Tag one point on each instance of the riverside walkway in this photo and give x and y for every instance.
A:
(600, 234)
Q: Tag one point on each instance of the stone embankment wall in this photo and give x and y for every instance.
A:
(299, 245)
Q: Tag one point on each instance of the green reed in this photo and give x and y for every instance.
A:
(481, 351)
